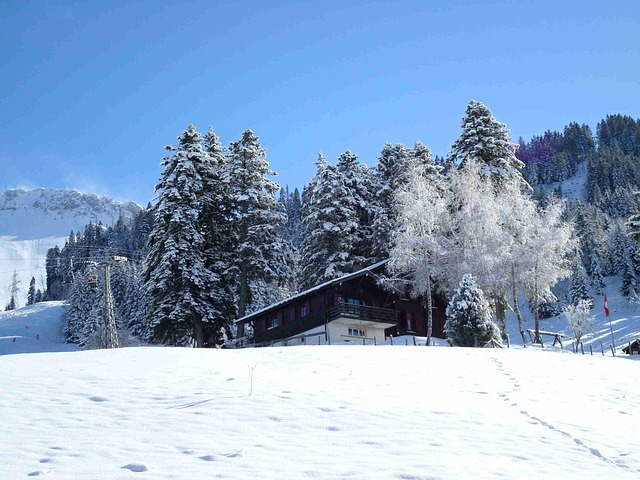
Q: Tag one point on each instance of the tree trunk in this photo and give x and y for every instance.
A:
(243, 293)
(500, 303)
(428, 307)
(199, 327)
(516, 307)
(536, 315)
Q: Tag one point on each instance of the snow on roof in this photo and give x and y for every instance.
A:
(319, 287)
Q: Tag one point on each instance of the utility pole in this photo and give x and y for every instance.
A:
(109, 334)
(13, 303)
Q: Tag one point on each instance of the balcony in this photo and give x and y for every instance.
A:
(364, 315)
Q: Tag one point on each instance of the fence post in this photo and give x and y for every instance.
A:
(582, 347)
(391, 337)
(406, 342)
(612, 350)
(363, 339)
(602, 348)
(414, 340)
(375, 341)
(630, 352)
(591, 349)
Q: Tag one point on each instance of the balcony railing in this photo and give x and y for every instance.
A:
(363, 313)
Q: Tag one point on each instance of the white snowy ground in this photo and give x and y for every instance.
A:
(359, 412)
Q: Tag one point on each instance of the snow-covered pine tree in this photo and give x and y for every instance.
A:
(80, 319)
(388, 175)
(360, 198)
(579, 289)
(330, 226)
(220, 239)
(629, 284)
(178, 280)
(262, 253)
(633, 224)
(469, 319)
(597, 278)
(485, 141)
(31, 294)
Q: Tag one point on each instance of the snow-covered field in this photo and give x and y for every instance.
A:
(357, 412)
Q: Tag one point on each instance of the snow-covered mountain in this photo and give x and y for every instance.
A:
(32, 221)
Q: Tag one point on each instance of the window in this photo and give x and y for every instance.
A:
(304, 311)
(411, 320)
(356, 332)
(273, 322)
(286, 315)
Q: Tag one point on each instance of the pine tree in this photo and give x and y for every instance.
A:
(596, 275)
(82, 299)
(629, 284)
(633, 224)
(31, 295)
(330, 226)
(485, 141)
(14, 290)
(180, 284)
(579, 289)
(358, 180)
(262, 253)
(468, 317)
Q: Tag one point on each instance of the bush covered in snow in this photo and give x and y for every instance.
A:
(469, 318)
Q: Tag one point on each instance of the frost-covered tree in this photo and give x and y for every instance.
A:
(547, 256)
(469, 319)
(580, 319)
(178, 280)
(484, 141)
(476, 242)
(396, 168)
(423, 225)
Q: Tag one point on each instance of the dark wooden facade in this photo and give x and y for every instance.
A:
(355, 296)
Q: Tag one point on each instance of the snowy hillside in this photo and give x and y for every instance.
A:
(33, 221)
(36, 328)
(625, 321)
(359, 412)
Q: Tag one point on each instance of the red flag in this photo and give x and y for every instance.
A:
(606, 305)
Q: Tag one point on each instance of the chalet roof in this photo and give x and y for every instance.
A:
(317, 288)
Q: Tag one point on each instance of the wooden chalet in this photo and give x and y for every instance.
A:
(350, 308)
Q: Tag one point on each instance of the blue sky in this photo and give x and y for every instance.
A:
(90, 92)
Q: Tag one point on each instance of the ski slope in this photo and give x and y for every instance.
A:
(334, 412)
